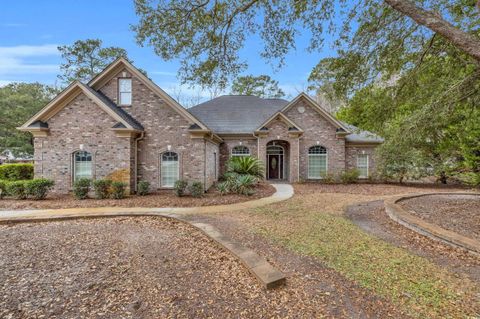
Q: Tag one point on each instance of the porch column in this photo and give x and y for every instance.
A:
(262, 153)
(294, 160)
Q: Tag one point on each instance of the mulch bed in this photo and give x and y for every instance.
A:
(372, 189)
(148, 267)
(458, 213)
(160, 199)
(372, 218)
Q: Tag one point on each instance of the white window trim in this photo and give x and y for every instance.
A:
(74, 165)
(119, 93)
(161, 169)
(239, 155)
(368, 165)
(308, 163)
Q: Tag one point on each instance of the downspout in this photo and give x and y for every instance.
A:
(142, 135)
(205, 164)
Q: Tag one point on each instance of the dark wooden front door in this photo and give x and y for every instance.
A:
(275, 167)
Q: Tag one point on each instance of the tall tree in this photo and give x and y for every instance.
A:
(262, 86)
(18, 101)
(208, 35)
(85, 58)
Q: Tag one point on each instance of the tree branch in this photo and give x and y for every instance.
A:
(463, 40)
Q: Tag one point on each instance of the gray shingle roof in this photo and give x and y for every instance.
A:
(361, 136)
(120, 112)
(236, 113)
(244, 114)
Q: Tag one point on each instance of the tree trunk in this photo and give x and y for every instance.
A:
(461, 39)
(443, 177)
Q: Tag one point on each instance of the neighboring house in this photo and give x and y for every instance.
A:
(7, 156)
(124, 127)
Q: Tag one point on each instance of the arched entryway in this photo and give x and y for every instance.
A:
(277, 160)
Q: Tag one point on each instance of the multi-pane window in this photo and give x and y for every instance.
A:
(240, 151)
(362, 165)
(125, 91)
(82, 166)
(317, 162)
(169, 169)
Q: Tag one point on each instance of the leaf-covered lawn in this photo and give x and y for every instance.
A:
(312, 225)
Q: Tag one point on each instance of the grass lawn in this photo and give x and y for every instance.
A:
(312, 224)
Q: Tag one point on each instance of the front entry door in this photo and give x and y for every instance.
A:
(275, 167)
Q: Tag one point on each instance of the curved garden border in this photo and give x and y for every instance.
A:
(265, 273)
(401, 216)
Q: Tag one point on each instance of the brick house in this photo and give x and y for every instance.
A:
(124, 127)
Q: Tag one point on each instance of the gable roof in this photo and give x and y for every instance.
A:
(329, 117)
(284, 118)
(71, 92)
(239, 114)
(116, 66)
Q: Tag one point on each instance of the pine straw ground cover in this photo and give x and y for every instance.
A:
(312, 223)
(160, 199)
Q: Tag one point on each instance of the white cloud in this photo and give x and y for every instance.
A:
(23, 59)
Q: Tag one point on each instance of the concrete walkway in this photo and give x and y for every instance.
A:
(283, 192)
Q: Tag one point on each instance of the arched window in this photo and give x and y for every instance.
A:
(240, 150)
(169, 169)
(317, 162)
(82, 165)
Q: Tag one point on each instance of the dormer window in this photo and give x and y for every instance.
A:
(125, 91)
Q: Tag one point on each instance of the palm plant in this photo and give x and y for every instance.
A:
(245, 165)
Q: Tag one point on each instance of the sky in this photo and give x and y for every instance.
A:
(31, 30)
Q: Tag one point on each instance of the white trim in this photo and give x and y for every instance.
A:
(282, 157)
(308, 162)
(161, 169)
(320, 110)
(240, 155)
(102, 77)
(368, 165)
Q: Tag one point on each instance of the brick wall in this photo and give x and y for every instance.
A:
(163, 127)
(81, 122)
(317, 128)
(228, 144)
(352, 151)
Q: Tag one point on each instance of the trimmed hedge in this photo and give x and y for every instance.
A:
(34, 188)
(118, 190)
(81, 187)
(16, 172)
(102, 188)
(38, 188)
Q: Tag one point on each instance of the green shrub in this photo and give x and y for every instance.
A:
(244, 184)
(469, 178)
(102, 188)
(223, 188)
(38, 188)
(143, 188)
(328, 178)
(17, 189)
(196, 189)
(16, 172)
(238, 183)
(3, 189)
(81, 187)
(118, 190)
(245, 165)
(350, 176)
(179, 187)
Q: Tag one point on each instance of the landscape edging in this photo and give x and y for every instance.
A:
(398, 214)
